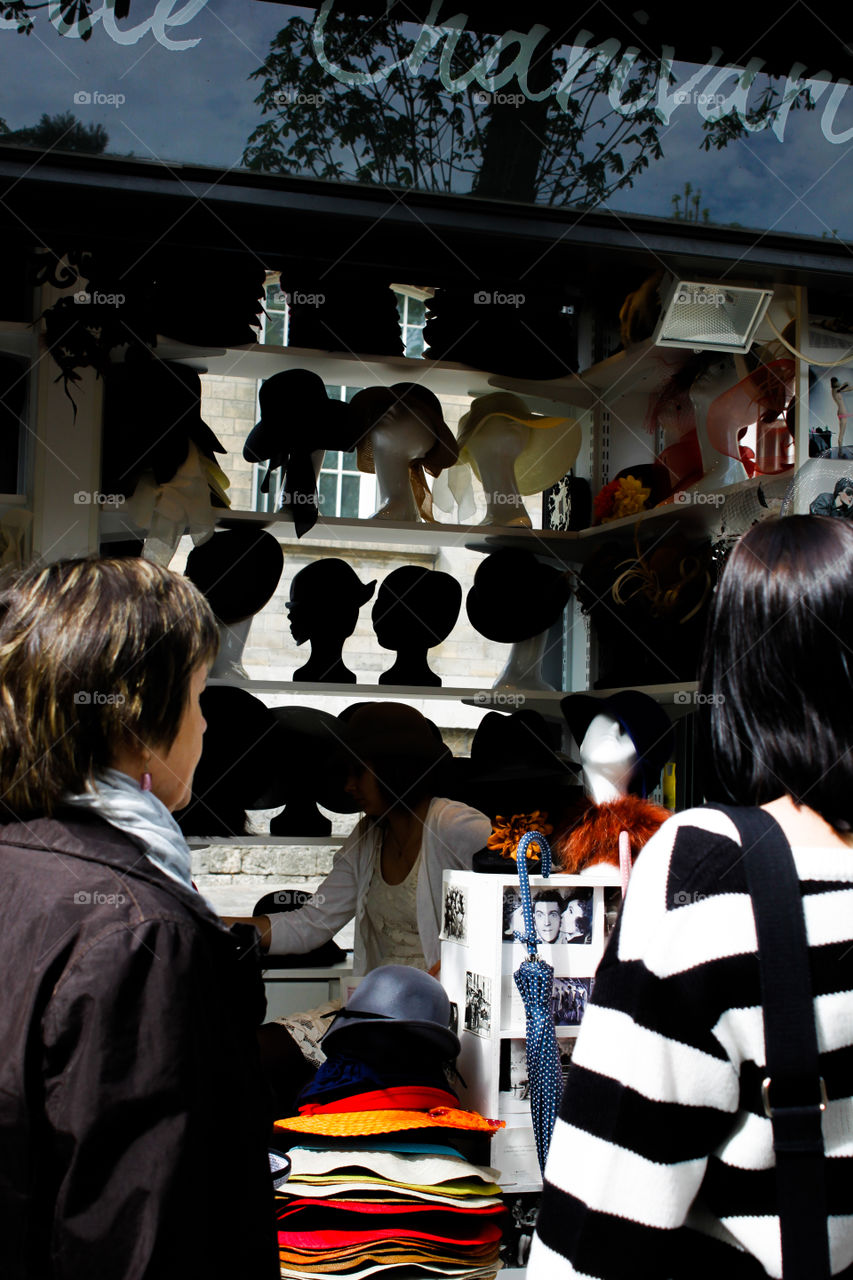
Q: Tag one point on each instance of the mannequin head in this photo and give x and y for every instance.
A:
(325, 598)
(416, 607)
(608, 759)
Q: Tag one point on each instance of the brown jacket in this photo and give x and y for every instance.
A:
(133, 1115)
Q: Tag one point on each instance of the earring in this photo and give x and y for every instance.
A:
(145, 782)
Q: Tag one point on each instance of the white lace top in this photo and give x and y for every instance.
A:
(392, 910)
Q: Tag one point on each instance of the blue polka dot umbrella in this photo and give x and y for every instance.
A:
(535, 981)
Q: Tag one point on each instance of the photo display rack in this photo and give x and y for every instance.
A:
(479, 955)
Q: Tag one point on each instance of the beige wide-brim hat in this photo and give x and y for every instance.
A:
(550, 452)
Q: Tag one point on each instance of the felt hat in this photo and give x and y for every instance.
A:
(237, 758)
(395, 997)
(237, 570)
(516, 765)
(642, 718)
(152, 410)
(390, 732)
(399, 402)
(551, 450)
(515, 596)
(331, 578)
(413, 597)
(297, 418)
(309, 739)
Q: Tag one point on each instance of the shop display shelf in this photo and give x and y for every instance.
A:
(336, 368)
(490, 699)
(116, 527)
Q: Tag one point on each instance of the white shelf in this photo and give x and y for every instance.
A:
(339, 368)
(484, 538)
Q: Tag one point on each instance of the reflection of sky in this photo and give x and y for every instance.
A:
(197, 106)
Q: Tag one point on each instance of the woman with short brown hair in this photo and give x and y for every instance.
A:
(131, 1100)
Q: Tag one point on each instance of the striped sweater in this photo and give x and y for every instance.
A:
(661, 1163)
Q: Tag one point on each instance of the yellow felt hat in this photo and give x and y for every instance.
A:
(551, 450)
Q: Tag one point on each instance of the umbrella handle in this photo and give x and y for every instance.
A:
(529, 936)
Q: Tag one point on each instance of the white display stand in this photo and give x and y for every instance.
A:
(478, 960)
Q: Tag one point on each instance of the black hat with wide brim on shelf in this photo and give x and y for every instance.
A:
(239, 750)
(515, 596)
(237, 570)
(309, 740)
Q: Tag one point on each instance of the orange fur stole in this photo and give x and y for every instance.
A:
(594, 836)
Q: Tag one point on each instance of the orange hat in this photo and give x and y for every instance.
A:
(356, 1124)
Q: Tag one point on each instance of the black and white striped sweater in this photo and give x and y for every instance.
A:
(661, 1163)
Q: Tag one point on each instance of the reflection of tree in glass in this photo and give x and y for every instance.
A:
(401, 127)
(63, 131)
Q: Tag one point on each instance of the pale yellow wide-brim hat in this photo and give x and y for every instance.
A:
(550, 452)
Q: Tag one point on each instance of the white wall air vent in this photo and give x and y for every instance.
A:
(713, 317)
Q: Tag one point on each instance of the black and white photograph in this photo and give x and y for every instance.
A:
(559, 916)
(519, 1222)
(612, 907)
(569, 1000)
(566, 1048)
(478, 1004)
(455, 926)
(513, 1070)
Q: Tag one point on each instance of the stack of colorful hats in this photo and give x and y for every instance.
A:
(387, 1170)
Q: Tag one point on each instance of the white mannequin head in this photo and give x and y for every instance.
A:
(608, 759)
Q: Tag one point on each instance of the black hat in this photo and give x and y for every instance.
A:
(237, 759)
(237, 570)
(297, 418)
(309, 738)
(515, 596)
(152, 410)
(642, 718)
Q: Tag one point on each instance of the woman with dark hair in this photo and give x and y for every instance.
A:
(388, 873)
(662, 1158)
(129, 1072)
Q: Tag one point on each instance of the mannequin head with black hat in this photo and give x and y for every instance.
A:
(624, 742)
(402, 435)
(298, 423)
(415, 609)
(238, 571)
(325, 598)
(308, 740)
(514, 599)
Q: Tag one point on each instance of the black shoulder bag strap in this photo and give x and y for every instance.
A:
(793, 1093)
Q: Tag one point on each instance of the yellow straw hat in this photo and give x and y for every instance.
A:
(550, 452)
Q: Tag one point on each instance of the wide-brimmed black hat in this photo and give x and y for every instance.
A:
(515, 596)
(642, 718)
(237, 570)
(152, 410)
(237, 759)
(309, 740)
(390, 999)
(404, 748)
(297, 418)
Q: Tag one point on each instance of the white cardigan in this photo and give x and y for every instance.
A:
(452, 834)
